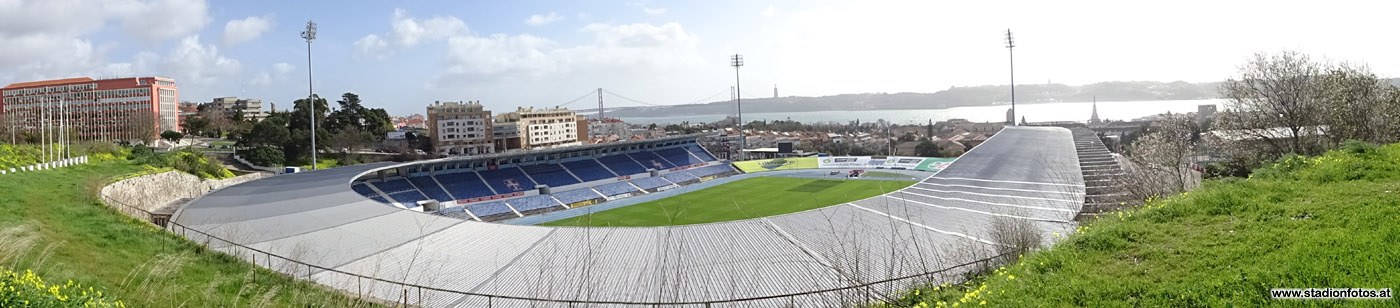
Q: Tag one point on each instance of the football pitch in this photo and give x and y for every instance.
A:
(748, 198)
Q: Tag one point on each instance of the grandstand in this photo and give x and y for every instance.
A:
(505, 186)
(319, 226)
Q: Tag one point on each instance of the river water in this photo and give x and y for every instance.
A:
(1037, 112)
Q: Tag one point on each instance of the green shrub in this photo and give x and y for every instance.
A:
(29, 290)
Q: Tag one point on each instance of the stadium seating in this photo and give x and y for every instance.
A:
(400, 190)
(698, 151)
(651, 160)
(577, 195)
(490, 209)
(680, 177)
(364, 190)
(651, 183)
(430, 188)
(622, 164)
(679, 156)
(507, 179)
(464, 184)
(534, 203)
(615, 188)
(710, 170)
(550, 174)
(589, 170)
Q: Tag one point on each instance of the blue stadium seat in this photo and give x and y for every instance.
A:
(400, 190)
(364, 190)
(710, 170)
(550, 174)
(649, 183)
(577, 195)
(464, 184)
(623, 164)
(507, 179)
(679, 177)
(531, 203)
(698, 151)
(589, 170)
(615, 188)
(651, 160)
(430, 188)
(492, 208)
(679, 156)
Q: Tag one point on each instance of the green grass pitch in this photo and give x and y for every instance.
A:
(748, 198)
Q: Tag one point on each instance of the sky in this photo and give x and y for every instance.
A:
(404, 55)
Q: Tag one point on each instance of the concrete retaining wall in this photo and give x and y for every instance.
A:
(148, 193)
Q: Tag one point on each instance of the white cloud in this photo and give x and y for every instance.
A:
(654, 10)
(263, 79)
(770, 11)
(48, 39)
(280, 72)
(161, 19)
(408, 32)
(193, 62)
(540, 20)
(247, 29)
(372, 45)
(617, 51)
(282, 68)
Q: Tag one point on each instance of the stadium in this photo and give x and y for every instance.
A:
(518, 229)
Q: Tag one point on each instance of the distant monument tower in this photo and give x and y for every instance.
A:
(1010, 116)
(775, 91)
(1094, 118)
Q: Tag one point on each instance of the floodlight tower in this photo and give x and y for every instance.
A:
(310, 34)
(736, 61)
(1011, 51)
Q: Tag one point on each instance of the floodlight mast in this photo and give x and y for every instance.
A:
(310, 34)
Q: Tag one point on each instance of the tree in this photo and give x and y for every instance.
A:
(1162, 159)
(141, 126)
(172, 136)
(195, 125)
(1357, 105)
(263, 143)
(1276, 92)
(927, 149)
(298, 147)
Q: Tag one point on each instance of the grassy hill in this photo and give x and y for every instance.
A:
(743, 199)
(52, 223)
(1328, 221)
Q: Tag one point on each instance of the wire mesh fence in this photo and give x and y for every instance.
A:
(400, 292)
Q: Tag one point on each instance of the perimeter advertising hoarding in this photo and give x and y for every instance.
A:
(883, 162)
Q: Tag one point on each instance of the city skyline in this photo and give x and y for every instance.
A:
(403, 56)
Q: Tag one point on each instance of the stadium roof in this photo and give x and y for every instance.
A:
(314, 217)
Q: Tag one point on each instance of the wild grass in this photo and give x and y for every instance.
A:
(1327, 221)
(743, 199)
(53, 224)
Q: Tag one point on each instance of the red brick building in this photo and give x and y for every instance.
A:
(120, 109)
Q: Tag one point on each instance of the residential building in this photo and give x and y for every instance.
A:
(506, 136)
(544, 128)
(607, 127)
(118, 109)
(251, 109)
(460, 128)
(412, 121)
